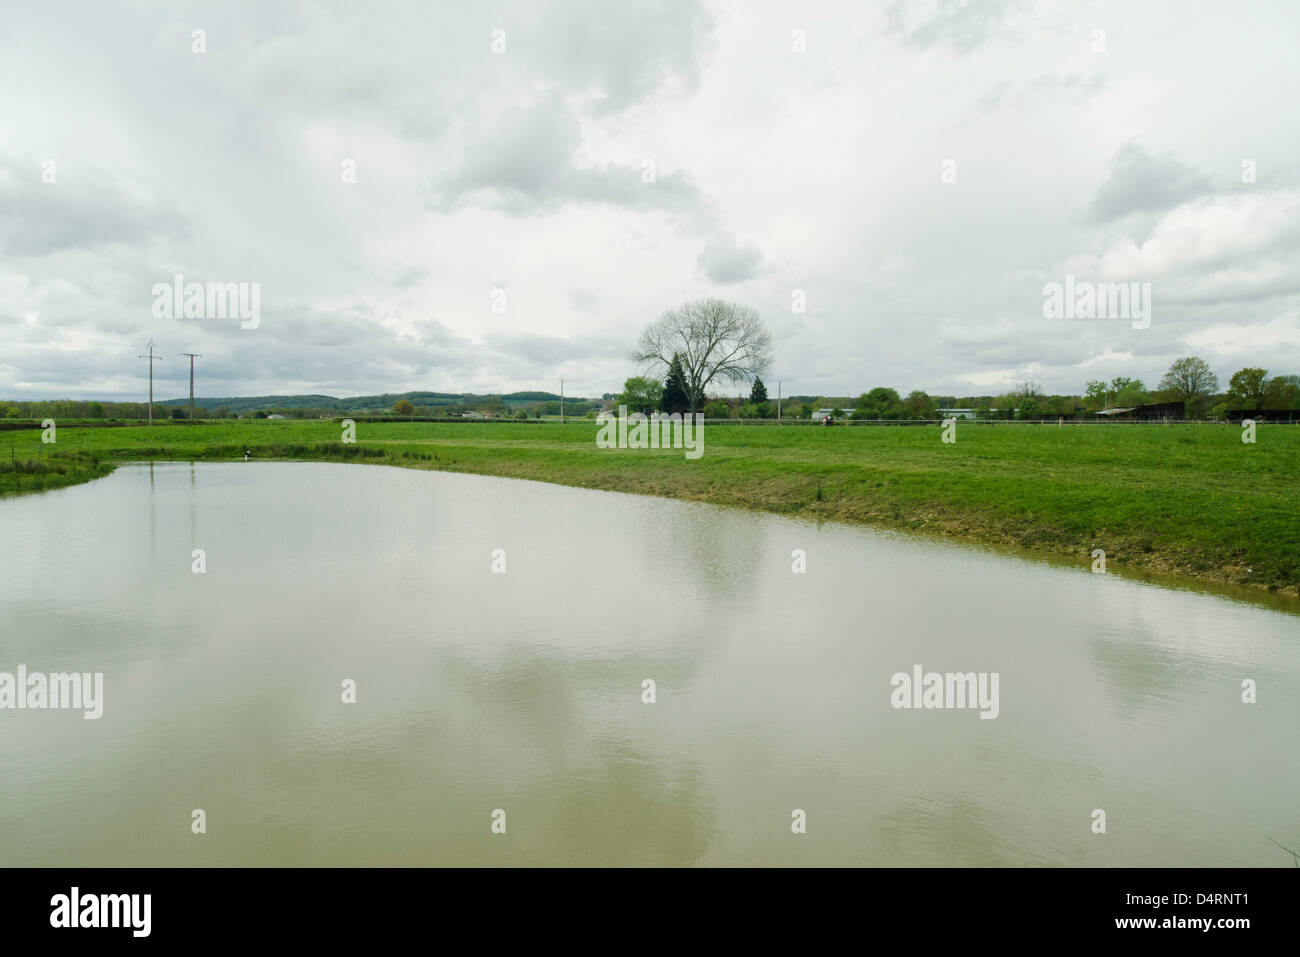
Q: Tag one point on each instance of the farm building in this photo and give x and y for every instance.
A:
(1161, 410)
(1151, 412)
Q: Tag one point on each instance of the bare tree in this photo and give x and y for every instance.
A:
(1190, 379)
(716, 340)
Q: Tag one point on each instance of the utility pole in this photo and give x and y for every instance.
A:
(778, 400)
(561, 400)
(152, 359)
(193, 356)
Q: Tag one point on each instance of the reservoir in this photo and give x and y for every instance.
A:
(501, 638)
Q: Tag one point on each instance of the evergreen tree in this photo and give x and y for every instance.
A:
(674, 397)
(758, 394)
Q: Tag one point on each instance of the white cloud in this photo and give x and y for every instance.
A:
(1257, 341)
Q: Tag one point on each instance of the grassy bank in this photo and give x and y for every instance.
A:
(53, 470)
(1188, 500)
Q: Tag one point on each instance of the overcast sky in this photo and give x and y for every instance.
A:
(525, 170)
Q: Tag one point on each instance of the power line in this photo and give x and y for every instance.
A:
(152, 359)
(193, 356)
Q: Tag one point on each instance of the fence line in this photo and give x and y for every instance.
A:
(1103, 423)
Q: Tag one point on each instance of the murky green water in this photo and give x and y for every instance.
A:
(522, 691)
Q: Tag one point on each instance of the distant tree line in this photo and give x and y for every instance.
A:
(1189, 382)
(108, 411)
(497, 407)
(494, 405)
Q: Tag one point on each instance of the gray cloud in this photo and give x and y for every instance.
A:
(1046, 88)
(539, 352)
(724, 261)
(407, 276)
(963, 25)
(620, 55)
(584, 300)
(84, 208)
(1142, 182)
(439, 65)
(523, 162)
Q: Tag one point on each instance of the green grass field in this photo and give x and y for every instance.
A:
(1190, 500)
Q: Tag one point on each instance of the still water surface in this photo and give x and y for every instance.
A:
(523, 691)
